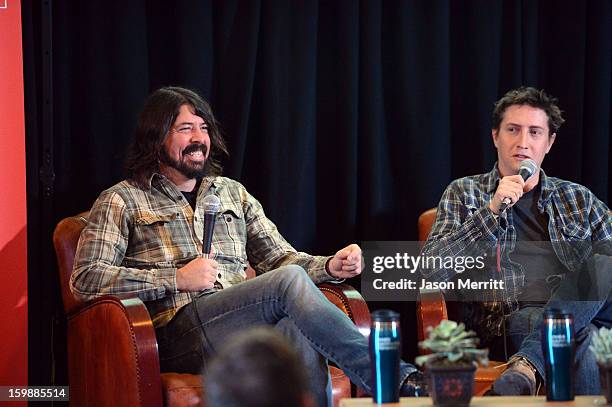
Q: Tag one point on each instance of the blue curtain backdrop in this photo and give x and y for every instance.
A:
(346, 119)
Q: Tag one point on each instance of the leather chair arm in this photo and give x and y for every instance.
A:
(431, 310)
(350, 302)
(113, 357)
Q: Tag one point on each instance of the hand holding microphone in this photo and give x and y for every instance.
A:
(197, 275)
(201, 273)
(510, 188)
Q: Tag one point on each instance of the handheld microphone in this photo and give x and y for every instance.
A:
(211, 207)
(527, 169)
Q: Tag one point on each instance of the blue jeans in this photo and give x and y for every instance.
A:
(286, 298)
(524, 325)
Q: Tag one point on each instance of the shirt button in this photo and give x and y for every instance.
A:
(219, 275)
(228, 219)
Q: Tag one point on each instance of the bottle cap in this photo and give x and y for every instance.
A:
(556, 313)
(385, 315)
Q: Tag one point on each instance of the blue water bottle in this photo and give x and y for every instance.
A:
(385, 351)
(558, 347)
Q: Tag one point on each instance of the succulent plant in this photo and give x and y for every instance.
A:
(601, 346)
(450, 343)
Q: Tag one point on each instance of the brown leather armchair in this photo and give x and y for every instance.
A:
(112, 349)
(431, 309)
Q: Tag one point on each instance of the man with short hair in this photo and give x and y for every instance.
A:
(265, 372)
(568, 231)
(144, 238)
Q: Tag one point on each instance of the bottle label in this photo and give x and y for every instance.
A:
(388, 343)
(558, 340)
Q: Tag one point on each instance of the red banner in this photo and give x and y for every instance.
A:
(13, 243)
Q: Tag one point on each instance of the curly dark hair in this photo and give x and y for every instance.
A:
(156, 118)
(532, 97)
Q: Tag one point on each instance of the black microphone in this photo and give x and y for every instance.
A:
(527, 169)
(211, 207)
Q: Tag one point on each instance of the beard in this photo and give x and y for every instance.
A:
(185, 166)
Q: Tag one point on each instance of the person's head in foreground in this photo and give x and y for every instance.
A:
(256, 368)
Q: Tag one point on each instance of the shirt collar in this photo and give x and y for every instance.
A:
(207, 182)
(548, 188)
(492, 179)
(156, 179)
(211, 183)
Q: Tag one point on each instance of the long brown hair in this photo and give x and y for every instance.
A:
(156, 118)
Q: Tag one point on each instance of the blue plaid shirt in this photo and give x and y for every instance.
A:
(578, 222)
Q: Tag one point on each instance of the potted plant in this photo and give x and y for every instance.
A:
(452, 363)
(601, 346)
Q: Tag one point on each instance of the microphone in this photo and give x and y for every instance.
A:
(527, 169)
(211, 207)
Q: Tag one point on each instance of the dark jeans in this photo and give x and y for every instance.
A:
(523, 326)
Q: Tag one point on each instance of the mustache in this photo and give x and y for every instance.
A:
(195, 147)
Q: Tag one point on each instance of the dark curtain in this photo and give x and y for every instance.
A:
(346, 119)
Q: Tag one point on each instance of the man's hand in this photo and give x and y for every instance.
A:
(346, 263)
(509, 187)
(199, 274)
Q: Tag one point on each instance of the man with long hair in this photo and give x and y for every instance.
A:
(144, 238)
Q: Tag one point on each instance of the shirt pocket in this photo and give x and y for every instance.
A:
(148, 219)
(230, 235)
(155, 238)
(576, 242)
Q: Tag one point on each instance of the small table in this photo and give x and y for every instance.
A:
(515, 401)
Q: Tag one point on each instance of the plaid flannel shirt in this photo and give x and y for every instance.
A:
(465, 225)
(136, 239)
